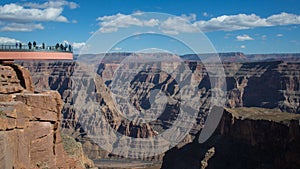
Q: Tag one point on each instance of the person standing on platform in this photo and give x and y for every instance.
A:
(34, 44)
(20, 45)
(70, 48)
(29, 45)
(66, 47)
(56, 46)
(43, 45)
(61, 47)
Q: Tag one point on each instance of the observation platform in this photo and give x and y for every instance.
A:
(14, 52)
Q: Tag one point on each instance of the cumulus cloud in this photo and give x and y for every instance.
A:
(243, 46)
(176, 25)
(52, 4)
(7, 40)
(114, 22)
(243, 37)
(21, 27)
(284, 19)
(189, 24)
(17, 13)
(172, 25)
(244, 21)
(26, 14)
(191, 17)
(232, 22)
(78, 45)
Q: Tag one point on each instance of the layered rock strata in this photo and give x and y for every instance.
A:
(30, 125)
(271, 85)
(245, 138)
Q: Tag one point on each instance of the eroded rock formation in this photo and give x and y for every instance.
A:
(245, 138)
(30, 125)
(271, 85)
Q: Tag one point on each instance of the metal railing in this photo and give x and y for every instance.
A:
(26, 48)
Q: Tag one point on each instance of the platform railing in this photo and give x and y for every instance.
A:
(24, 48)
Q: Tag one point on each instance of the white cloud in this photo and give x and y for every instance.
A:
(191, 17)
(244, 21)
(243, 37)
(17, 13)
(7, 40)
(108, 29)
(72, 5)
(66, 42)
(205, 14)
(284, 19)
(279, 35)
(232, 22)
(32, 14)
(114, 22)
(138, 13)
(52, 4)
(189, 24)
(264, 37)
(78, 45)
(176, 25)
(21, 27)
(243, 46)
(172, 25)
(151, 22)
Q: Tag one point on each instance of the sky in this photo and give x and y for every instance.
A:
(178, 26)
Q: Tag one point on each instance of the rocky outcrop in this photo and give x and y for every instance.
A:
(30, 125)
(208, 155)
(245, 138)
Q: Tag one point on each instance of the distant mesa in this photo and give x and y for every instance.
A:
(34, 52)
(229, 57)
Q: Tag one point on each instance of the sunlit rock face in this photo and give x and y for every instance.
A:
(30, 124)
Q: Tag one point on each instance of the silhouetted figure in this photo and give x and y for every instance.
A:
(61, 47)
(20, 45)
(66, 47)
(34, 44)
(70, 48)
(57, 46)
(17, 45)
(43, 45)
(29, 45)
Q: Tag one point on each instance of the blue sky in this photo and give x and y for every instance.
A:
(245, 26)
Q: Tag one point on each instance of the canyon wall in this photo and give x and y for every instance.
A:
(270, 85)
(250, 138)
(30, 124)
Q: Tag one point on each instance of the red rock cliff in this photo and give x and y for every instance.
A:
(30, 125)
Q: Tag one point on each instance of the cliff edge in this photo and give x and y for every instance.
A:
(30, 125)
(248, 138)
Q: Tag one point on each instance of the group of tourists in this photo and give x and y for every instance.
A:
(30, 45)
(33, 45)
(62, 47)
